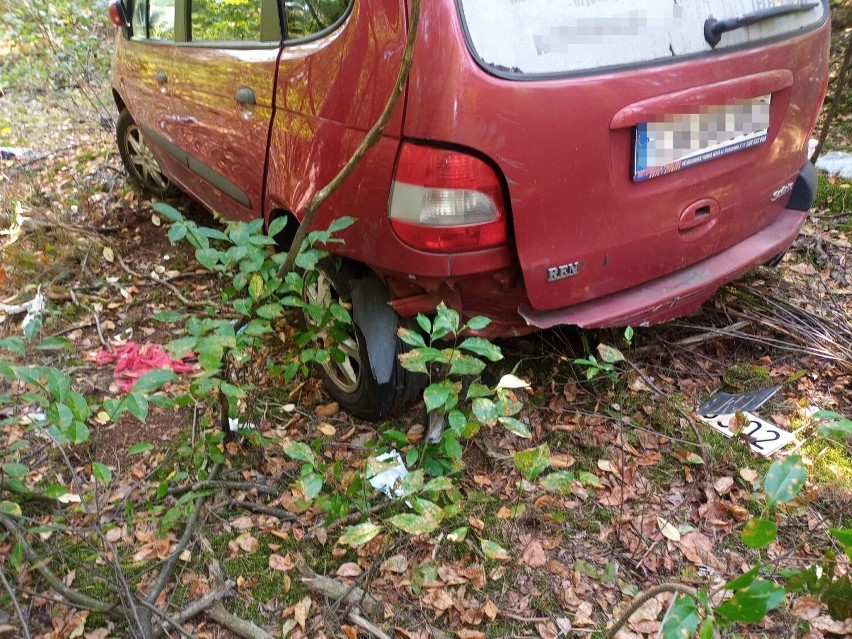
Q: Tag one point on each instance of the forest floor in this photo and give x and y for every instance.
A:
(664, 496)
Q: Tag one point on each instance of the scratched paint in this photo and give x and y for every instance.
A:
(564, 36)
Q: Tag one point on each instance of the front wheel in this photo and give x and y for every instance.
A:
(351, 379)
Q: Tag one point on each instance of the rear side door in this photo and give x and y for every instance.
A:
(141, 69)
(223, 82)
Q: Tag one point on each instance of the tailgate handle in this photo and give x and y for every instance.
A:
(698, 218)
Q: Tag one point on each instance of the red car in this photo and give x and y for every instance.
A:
(588, 162)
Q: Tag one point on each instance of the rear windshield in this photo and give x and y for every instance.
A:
(557, 37)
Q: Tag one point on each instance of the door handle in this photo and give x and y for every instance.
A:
(245, 95)
(161, 77)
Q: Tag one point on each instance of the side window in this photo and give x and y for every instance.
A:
(161, 20)
(137, 20)
(307, 17)
(225, 20)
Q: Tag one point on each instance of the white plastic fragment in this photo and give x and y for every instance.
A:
(389, 481)
(34, 308)
(234, 425)
(510, 381)
(836, 163)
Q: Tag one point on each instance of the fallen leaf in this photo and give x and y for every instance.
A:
(350, 632)
(650, 610)
(327, 429)
(534, 555)
(607, 466)
(301, 611)
(327, 410)
(547, 629)
(277, 562)
(723, 485)
(490, 609)
(807, 608)
(349, 569)
(397, 564)
(668, 530)
(245, 542)
(561, 461)
(749, 475)
(242, 523)
(287, 627)
(698, 548)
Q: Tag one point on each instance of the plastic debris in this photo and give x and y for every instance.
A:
(32, 308)
(729, 403)
(510, 381)
(132, 360)
(389, 480)
(234, 425)
(836, 163)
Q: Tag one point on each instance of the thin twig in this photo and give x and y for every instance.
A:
(73, 596)
(174, 623)
(18, 611)
(643, 598)
(174, 289)
(221, 484)
(359, 621)
(263, 509)
(168, 567)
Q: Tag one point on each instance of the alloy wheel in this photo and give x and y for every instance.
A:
(142, 161)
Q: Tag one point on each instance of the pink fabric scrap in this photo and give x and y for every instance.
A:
(133, 360)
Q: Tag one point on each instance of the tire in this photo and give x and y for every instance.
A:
(143, 167)
(352, 383)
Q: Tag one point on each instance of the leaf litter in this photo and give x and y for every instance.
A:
(611, 494)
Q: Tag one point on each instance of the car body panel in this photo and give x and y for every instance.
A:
(569, 170)
(226, 141)
(588, 244)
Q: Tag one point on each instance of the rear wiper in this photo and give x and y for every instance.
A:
(713, 29)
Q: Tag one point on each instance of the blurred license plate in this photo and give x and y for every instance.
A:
(679, 141)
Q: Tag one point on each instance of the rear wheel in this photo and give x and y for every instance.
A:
(138, 158)
(352, 381)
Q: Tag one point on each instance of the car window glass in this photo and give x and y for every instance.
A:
(161, 20)
(225, 20)
(137, 20)
(307, 17)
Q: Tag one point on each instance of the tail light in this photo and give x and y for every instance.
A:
(446, 201)
(116, 13)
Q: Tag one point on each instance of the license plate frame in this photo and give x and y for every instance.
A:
(678, 141)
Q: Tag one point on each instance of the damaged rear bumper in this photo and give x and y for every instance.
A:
(679, 293)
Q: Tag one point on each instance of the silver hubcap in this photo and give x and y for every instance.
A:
(344, 374)
(144, 163)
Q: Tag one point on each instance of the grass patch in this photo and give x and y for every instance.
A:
(831, 463)
(260, 583)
